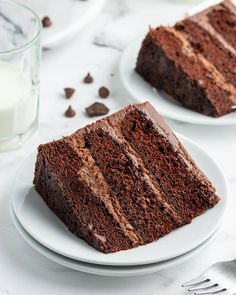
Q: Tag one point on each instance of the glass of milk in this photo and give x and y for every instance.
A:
(19, 73)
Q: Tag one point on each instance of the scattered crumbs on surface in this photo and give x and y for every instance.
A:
(69, 92)
(96, 109)
(70, 113)
(88, 79)
(103, 92)
(46, 22)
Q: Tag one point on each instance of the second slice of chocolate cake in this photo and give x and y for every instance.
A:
(123, 181)
(194, 61)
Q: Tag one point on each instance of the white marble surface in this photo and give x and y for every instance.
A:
(25, 272)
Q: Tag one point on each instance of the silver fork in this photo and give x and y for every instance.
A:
(220, 278)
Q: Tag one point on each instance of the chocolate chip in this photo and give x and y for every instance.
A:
(69, 113)
(179, 27)
(69, 92)
(209, 75)
(97, 109)
(100, 237)
(46, 22)
(88, 79)
(90, 226)
(103, 92)
(133, 126)
(135, 222)
(129, 227)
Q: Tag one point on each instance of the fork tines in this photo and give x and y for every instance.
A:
(203, 286)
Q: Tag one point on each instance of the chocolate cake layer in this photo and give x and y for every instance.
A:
(211, 47)
(169, 164)
(123, 181)
(61, 180)
(193, 61)
(223, 18)
(131, 186)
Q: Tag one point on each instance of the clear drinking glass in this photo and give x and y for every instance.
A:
(20, 50)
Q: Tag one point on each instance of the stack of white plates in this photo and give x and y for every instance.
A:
(41, 229)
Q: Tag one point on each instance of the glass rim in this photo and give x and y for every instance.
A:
(35, 36)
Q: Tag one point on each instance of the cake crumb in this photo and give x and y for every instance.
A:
(97, 109)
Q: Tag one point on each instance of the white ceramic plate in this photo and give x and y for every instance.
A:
(68, 17)
(105, 270)
(140, 90)
(47, 229)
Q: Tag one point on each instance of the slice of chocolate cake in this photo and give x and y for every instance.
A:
(195, 61)
(123, 181)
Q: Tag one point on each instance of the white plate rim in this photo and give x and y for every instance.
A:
(60, 37)
(101, 259)
(103, 270)
(126, 68)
